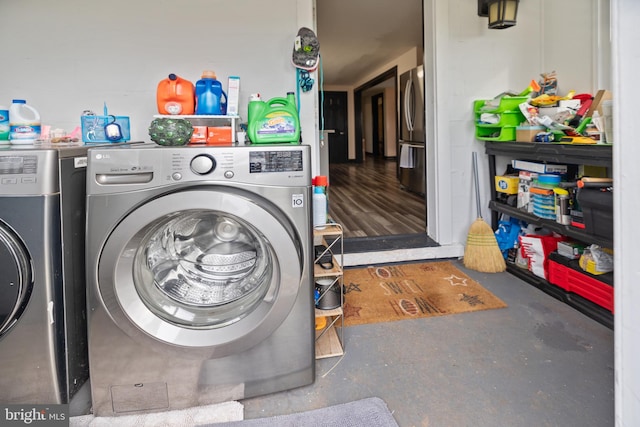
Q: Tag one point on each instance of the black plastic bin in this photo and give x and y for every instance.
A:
(597, 209)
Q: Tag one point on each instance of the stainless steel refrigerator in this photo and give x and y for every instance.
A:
(411, 146)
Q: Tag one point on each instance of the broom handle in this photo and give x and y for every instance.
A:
(475, 181)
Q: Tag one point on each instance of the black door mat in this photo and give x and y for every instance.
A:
(387, 243)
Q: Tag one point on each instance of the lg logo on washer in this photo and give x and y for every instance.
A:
(297, 200)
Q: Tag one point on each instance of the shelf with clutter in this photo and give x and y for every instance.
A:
(553, 215)
(552, 205)
(541, 114)
(329, 289)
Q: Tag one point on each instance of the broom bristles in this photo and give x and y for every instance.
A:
(482, 252)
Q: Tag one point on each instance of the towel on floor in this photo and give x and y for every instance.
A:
(215, 413)
(407, 156)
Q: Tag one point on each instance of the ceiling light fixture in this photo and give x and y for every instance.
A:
(502, 13)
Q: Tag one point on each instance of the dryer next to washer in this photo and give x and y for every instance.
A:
(199, 272)
(43, 339)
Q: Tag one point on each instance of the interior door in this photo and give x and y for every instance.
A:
(334, 109)
(201, 269)
(377, 115)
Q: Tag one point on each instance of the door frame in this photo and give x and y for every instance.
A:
(358, 113)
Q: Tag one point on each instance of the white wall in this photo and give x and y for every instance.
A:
(390, 113)
(390, 119)
(472, 62)
(72, 55)
(626, 152)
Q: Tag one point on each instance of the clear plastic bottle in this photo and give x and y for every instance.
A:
(319, 208)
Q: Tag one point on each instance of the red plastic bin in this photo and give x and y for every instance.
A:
(581, 284)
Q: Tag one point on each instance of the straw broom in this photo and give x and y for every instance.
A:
(482, 252)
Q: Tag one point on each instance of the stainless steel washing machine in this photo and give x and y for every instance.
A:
(43, 338)
(199, 273)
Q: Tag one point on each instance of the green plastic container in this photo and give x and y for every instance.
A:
(506, 103)
(274, 121)
(505, 133)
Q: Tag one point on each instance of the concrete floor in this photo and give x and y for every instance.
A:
(538, 362)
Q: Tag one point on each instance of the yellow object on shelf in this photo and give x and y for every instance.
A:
(507, 183)
(321, 323)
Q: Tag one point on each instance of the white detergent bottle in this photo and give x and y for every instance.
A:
(319, 208)
(24, 123)
(4, 125)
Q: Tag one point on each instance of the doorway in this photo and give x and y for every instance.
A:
(377, 125)
(335, 120)
(365, 195)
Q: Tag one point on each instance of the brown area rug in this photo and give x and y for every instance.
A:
(410, 291)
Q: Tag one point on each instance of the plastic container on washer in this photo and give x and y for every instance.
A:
(175, 96)
(24, 123)
(209, 95)
(274, 121)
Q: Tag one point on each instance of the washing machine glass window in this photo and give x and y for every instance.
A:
(147, 301)
(202, 268)
(17, 280)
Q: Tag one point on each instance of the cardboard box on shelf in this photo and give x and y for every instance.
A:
(571, 250)
(592, 171)
(525, 179)
(538, 167)
(219, 135)
(199, 135)
(528, 133)
(507, 184)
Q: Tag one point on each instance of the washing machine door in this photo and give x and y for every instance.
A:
(16, 283)
(217, 268)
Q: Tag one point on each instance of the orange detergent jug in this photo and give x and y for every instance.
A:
(176, 96)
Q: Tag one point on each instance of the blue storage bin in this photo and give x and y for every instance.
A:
(93, 128)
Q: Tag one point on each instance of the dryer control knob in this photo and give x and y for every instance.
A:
(203, 164)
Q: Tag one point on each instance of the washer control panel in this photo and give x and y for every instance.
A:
(26, 172)
(113, 169)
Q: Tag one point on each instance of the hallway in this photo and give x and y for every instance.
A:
(367, 200)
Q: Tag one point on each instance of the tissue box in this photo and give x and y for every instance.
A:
(93, 128)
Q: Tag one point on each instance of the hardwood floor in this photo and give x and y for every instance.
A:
(367, 200)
